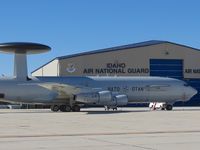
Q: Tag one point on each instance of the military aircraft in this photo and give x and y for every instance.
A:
(69, 93)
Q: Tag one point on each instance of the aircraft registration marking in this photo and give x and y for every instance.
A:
(125, 89)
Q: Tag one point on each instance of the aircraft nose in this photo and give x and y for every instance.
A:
(190, 92)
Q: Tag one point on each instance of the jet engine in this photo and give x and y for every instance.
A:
(102, 98)
(120, 100)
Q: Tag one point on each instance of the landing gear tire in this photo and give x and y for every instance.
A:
(65, 108)
(76, 108)
(55, 108)
(169, 107)
(115, 108)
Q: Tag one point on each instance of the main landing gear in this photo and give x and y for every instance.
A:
(65, 108)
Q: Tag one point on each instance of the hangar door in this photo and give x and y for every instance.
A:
(166, 68)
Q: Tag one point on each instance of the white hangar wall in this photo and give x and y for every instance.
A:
(50, 69)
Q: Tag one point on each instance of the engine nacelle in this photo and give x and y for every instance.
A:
(105, 96)
(120, 100)
(94, 97)
(102, 98)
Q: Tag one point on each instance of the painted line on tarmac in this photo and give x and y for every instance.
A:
(99, 134)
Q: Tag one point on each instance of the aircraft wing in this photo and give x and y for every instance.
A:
(65, 90)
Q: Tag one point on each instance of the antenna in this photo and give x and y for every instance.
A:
(20, 51)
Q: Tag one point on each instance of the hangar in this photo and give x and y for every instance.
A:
(150, 58)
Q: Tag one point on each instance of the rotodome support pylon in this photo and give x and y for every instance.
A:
(20, 51)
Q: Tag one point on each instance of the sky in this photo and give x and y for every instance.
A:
(74, 26)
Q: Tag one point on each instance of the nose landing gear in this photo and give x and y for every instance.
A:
(169, 107)
(160, 106)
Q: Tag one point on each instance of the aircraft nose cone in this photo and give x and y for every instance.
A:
(194, 91)
(190, 92)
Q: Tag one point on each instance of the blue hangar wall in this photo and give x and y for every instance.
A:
(174, 68)
(150, 58)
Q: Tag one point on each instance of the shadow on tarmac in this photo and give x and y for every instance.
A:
(22, 111)
(47, 111)
(113, 112)
(187, 109)
(91, 112)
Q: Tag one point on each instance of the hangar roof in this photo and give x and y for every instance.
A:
(134, 45)
(123, 47)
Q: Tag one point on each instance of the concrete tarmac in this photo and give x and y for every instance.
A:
(95, 129)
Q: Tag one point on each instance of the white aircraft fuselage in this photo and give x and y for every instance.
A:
(67, 93)
(58, 90)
